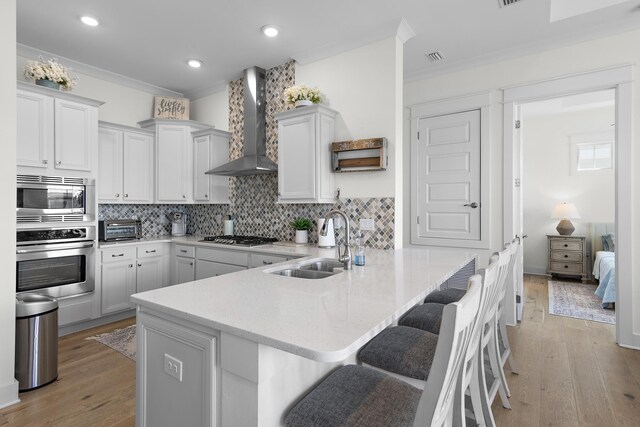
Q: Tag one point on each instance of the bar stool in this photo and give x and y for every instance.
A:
(359, 396)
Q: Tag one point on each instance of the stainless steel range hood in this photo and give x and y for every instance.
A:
(255, 160)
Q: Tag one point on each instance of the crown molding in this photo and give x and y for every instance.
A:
(405, 32)
(33, 53)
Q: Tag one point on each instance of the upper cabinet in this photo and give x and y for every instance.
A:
(210, 149)
(125, 164)
(56, 132)
(174, 158)
(304, 158)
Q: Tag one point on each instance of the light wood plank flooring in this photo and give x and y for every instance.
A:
(95, 387)
(571, 374)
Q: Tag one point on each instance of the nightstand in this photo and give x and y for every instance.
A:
(567, 256)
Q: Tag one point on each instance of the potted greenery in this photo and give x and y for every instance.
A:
(302, 227)
(301, 95)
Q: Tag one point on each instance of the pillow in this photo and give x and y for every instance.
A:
(608, 242)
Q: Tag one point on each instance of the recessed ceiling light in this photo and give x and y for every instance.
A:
(194, 63)
(270, 30)
(90, 21)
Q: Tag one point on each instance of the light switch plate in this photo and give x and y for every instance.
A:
(173, 367)
(367, 224)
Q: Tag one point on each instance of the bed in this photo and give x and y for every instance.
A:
(604, 264)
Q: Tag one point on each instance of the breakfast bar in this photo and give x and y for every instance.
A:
(242, 348)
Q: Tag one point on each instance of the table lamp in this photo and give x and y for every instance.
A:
(564, 212)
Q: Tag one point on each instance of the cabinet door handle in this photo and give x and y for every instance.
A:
(116, 256)
(566, 266)
(130, 265)
(184, 196)
(117, 194)
(566, 256)
(471, 205)
(183, 251)
(151, 252)
(58, 163)
(44, 162)
(139, 265)
(126, 195)
(566, 246)
(206, 196)
(267, 262)
(190, 263)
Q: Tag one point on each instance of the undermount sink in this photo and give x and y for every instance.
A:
(313, 269)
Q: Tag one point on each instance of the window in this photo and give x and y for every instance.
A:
(592, 153)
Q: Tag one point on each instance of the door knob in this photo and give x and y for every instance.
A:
(471, 205)
(139, 265)
(117, 194)
(126, 195)
(44, 162)
(58, 162)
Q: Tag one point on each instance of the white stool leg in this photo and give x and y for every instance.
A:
(505, 341)
(484, 392)
(496, 369)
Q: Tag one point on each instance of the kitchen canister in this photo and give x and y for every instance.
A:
(328, 241)
(228, 227)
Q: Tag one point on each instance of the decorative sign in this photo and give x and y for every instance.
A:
(166, 107)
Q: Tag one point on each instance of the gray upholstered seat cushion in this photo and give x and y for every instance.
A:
(402, 350)
(446, 296)
(427, 317)
(357, 396)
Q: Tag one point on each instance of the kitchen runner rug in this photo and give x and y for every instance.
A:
(573, 299)
(121, 340)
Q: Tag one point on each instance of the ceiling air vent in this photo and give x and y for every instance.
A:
(436, 56)
(504, 3)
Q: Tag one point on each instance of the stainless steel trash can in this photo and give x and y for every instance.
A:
(36, 340)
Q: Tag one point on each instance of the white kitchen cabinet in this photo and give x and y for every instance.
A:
(56, 132)
(304, 157)
(206, 269)
(125, 164)
(131, 269)
(185, 269)
(210, 149)
(263, 260)
(174, 158)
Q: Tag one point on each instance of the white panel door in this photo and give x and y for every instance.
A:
(138, 168)
(75, 133)
(219, 188)
(297, 158)
(118, 284)
(34, 129)
(150, 274)
(109, 165)
(185, 269)
(448, 181)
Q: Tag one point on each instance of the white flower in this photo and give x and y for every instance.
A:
(300, 93)
(49, 70)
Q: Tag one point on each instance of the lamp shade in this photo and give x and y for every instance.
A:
(565, 211)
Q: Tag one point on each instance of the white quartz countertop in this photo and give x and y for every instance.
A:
(325, 319)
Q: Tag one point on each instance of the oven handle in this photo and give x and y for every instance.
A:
(30, 251)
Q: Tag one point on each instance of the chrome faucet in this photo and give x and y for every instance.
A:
(345, 258)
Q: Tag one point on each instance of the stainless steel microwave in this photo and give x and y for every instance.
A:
(54, 199)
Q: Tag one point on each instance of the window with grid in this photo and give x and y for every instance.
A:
(595, 156)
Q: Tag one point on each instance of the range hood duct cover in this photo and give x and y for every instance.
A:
(254, 160)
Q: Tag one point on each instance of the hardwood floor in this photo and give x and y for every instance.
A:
(95, 387)
(571, 374)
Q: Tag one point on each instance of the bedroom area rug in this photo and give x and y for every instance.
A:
(572, 299)
(121, 340)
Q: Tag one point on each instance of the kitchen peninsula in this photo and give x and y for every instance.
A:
(241, 349)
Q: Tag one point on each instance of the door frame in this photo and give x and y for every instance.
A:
(620, 79)
(478, 101)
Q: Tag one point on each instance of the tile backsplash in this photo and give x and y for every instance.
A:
(253, 199)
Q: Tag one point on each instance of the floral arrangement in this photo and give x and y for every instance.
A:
(49, 70)
(301, 93)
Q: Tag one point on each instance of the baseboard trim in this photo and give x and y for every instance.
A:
(81, 326)
(536, 271)
(9, 394)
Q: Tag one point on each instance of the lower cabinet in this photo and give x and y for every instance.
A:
(206, 269)
(185, 269)
(212, 262)
(127, 270)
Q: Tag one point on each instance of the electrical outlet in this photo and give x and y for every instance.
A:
(367, 224)
(173, 367)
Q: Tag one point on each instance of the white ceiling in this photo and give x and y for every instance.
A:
(150, 40)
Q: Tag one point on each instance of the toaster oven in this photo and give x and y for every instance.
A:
(111, 230)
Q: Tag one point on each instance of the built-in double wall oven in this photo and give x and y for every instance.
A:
(56, 235)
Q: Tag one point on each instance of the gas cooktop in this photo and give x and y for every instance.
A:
(239, 240)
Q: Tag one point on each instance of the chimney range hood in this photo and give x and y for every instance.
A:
(254, 160)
